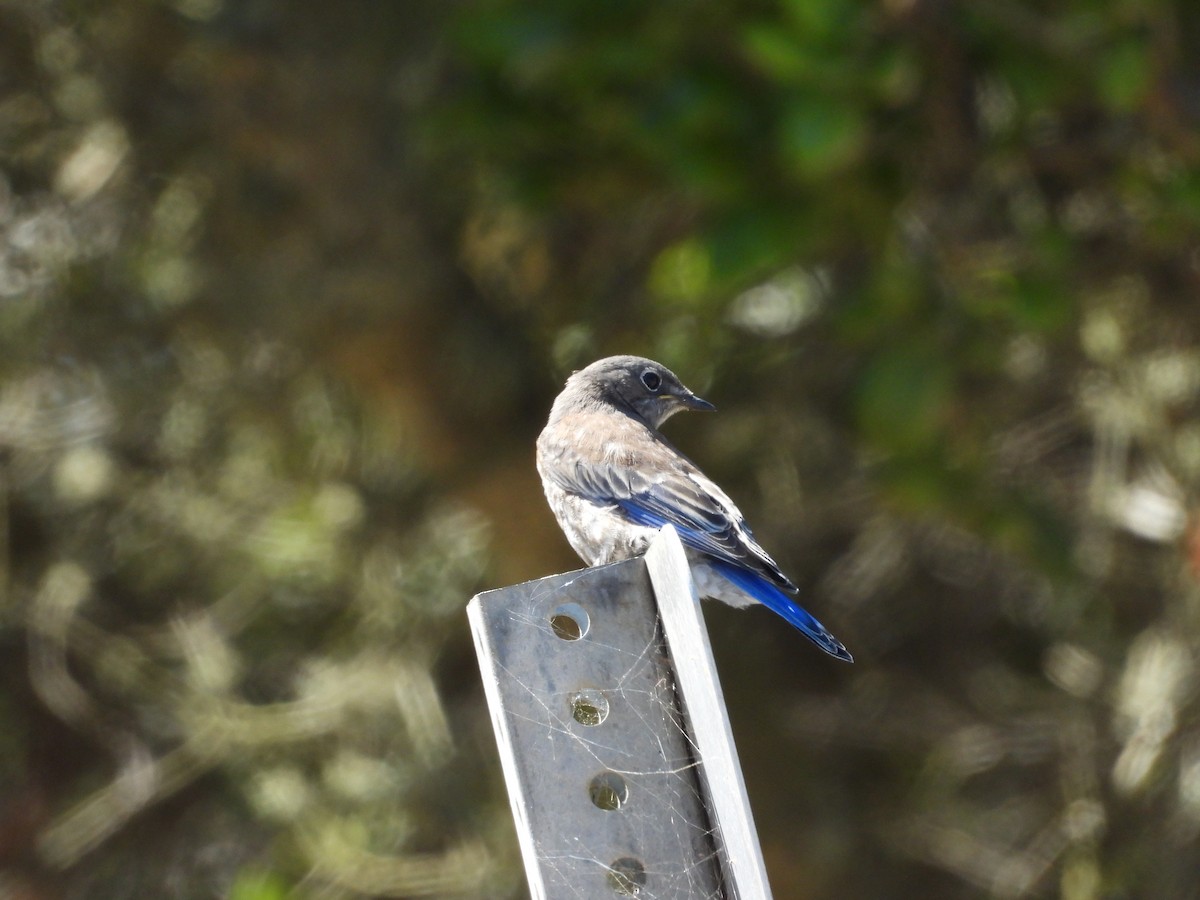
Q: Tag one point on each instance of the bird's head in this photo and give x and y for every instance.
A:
(647, 388)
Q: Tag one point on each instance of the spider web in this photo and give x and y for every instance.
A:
(602, 773)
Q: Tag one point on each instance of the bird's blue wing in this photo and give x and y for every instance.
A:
(786, 606)
(704, 516)
(748, 580)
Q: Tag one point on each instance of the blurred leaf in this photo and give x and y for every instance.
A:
(681, 271)
(253, 884)
(903, 398)
(1124, 75)
(531, 36)
(820, 19)
(749, 244)
(819, 136)
(897, 75)
(1025, 302)
(775, 49)
(1040, 305)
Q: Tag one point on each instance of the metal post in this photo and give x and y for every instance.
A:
(614, 789)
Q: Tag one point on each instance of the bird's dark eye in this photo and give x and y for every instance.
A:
(651, 380)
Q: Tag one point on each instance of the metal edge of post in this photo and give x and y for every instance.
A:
(504, 743)
(705, 711)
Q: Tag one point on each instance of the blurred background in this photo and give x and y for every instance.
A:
(286, 290)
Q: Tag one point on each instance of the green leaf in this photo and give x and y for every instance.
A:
(748, 244)
(776, 52)
(1040, 305)
(681, 271)
(821, 19)
(258, 885)
(1124, 76)
(820, 136)
(903, 399)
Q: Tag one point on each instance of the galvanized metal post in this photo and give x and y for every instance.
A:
(613, 735)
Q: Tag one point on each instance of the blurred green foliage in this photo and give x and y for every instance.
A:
(286, 289)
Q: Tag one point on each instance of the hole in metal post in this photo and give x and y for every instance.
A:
(608, 791)
(627, 876)
(589, 707)
(570, 621)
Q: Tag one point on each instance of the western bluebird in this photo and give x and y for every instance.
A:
(612, 481)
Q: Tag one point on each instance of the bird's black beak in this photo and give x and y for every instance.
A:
(691, 401)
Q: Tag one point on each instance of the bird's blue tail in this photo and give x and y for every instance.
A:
(775, 599)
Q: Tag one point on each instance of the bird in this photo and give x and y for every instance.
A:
(613, 481)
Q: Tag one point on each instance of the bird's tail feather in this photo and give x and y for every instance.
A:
(775, 599)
